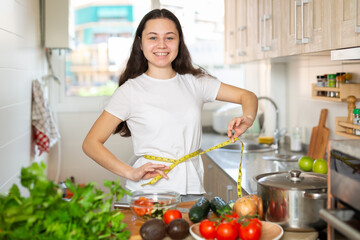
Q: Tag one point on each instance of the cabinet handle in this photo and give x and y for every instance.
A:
(297, 41)
(260, 31)
(265, 47)
(228, 189)
(357, 27)
(241, 29)
(263, 19)
(303, 39)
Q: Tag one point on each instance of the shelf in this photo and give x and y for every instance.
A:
(345, 90)
(341, 127)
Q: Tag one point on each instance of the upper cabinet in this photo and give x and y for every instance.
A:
(270, 28)
(346, 24)
(230, 31)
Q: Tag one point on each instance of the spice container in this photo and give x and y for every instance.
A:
(356, 119)
(320, 83)
(331, 83)
(348, 77)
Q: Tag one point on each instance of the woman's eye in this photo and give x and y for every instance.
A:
(170, 38)
(152, 38)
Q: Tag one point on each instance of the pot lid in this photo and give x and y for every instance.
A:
(294, 179)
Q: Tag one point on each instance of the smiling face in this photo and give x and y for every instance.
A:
(160, 44)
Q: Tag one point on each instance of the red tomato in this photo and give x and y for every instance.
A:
(145, 206)
(232, 219)
(226, 231)
(207, 228)
(170, 215)
(272, 206)
(250, 230)
(139, 211)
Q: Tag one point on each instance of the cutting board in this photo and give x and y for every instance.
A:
(319, 138)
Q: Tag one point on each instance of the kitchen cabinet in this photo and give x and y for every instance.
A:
(217, 182)
(245, 39)
(252, 30)
(230, 31)
(264, 29)
(269, 29)
(346, 23)
(306, 26)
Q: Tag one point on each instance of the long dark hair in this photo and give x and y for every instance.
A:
(138, 64)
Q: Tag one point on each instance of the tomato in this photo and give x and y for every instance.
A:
(170, 215)
(279, 212)
(250, 230)
(145, 206)
(272, 206)
(232, 219)
(207, 228)
(226, 231)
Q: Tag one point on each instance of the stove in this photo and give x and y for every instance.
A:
(343, 211)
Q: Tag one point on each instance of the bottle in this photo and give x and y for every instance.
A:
(325, 93)
(356, 119)
(348, 77)
(331, 84)
(320, 83)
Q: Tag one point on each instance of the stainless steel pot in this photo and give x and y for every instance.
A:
(293, 199)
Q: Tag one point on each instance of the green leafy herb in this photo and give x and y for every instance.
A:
(46, 215)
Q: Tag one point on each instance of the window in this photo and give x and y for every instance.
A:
(104, 34)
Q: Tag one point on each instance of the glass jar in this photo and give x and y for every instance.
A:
(356, 121)
(320, 83)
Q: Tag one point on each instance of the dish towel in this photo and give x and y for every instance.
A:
(45, 131)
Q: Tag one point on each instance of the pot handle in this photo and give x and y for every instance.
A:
(315, 195)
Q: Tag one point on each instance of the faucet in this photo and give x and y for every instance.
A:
(277, 134)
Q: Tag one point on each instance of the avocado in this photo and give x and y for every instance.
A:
(178, 229)
(153, 229)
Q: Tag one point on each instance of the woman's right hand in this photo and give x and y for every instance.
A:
(149, 170)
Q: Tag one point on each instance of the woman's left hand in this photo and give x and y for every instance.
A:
(239, 125)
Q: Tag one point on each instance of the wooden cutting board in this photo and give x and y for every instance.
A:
(319, 138)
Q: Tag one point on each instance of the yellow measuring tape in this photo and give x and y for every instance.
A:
(175, 162)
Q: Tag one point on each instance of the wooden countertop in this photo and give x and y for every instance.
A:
(133, 223)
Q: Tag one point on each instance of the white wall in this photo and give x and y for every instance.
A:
(304, 111)
(288, 82)
(21, 61)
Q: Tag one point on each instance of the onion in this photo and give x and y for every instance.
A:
(253, 197)
(258, 202)
(245, 206)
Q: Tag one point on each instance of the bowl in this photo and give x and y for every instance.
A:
(147, 204)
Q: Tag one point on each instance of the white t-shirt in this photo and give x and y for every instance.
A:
(164, 117)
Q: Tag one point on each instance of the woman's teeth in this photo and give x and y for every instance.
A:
(161, 54)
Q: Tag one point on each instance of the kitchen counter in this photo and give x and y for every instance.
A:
(253, 164)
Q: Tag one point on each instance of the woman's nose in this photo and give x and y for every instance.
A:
(162, 43)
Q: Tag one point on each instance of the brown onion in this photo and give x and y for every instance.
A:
(245, 206)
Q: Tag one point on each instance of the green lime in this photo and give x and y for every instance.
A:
(306, 163)
(320, 166)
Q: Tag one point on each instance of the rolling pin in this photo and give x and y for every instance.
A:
(351, 105)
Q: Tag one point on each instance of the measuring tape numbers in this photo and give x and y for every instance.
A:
(175, 162)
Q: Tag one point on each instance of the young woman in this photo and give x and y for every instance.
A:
(159, 103)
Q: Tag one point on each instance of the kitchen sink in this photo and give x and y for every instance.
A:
(248, 147)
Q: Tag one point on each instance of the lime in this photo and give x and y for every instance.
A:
(306, 163)
(320, 166)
